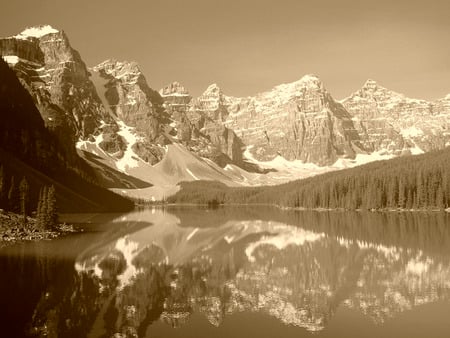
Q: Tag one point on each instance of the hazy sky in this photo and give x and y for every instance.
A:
(248, 46)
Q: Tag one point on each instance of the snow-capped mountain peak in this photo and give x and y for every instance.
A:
(292, 89)
(36, 32)
(310, 79)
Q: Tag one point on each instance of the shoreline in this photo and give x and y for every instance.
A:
(208, 206)
(13, 230)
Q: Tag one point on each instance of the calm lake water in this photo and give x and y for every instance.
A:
(232, 272)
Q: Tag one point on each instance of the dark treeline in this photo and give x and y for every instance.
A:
(411, 182)
(19, 197)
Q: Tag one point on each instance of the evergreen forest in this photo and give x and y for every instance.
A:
(409, 182)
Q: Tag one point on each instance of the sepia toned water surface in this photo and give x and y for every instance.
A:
(232, 272)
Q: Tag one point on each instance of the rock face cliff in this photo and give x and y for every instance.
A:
(177, 100)
(209, 112)
(126, 94)
(57, 78)
(198, 123)
(299, 120)
(302, 121)
(391, 122)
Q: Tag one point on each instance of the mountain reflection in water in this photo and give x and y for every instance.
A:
(297, 267)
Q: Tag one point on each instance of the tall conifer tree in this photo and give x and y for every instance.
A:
(24, 190)
(13, 196)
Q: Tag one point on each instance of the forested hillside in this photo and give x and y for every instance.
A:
(411, 182)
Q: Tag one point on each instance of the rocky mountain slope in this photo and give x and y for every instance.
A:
(57, 78)
(302, 121)
(126, 94)
(198, 124)
(391, 122)
(299, 121)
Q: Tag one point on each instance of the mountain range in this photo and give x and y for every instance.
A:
(143, 142)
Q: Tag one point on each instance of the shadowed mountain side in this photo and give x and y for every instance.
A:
(110, 178)
(28, 149)
(73, 195)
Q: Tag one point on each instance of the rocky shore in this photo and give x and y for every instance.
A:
(14, 229)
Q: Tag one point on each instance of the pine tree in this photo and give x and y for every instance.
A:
(51, 212)
(401, 193)
(13, 196)
(440, 198)
(24, 190)
(420, 191)
(391, 193)
(409, 203)
(42, 209)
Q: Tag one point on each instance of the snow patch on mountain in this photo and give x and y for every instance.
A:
(279, 162)
(129, 159)
(290, 170)
(93, 146)
(412, 131)
(36, 32)
(11, 59)
(416, 150)
(361, 159)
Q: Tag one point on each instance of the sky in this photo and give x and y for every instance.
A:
(249, 46)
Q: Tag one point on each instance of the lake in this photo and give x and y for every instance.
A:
(232, 272)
